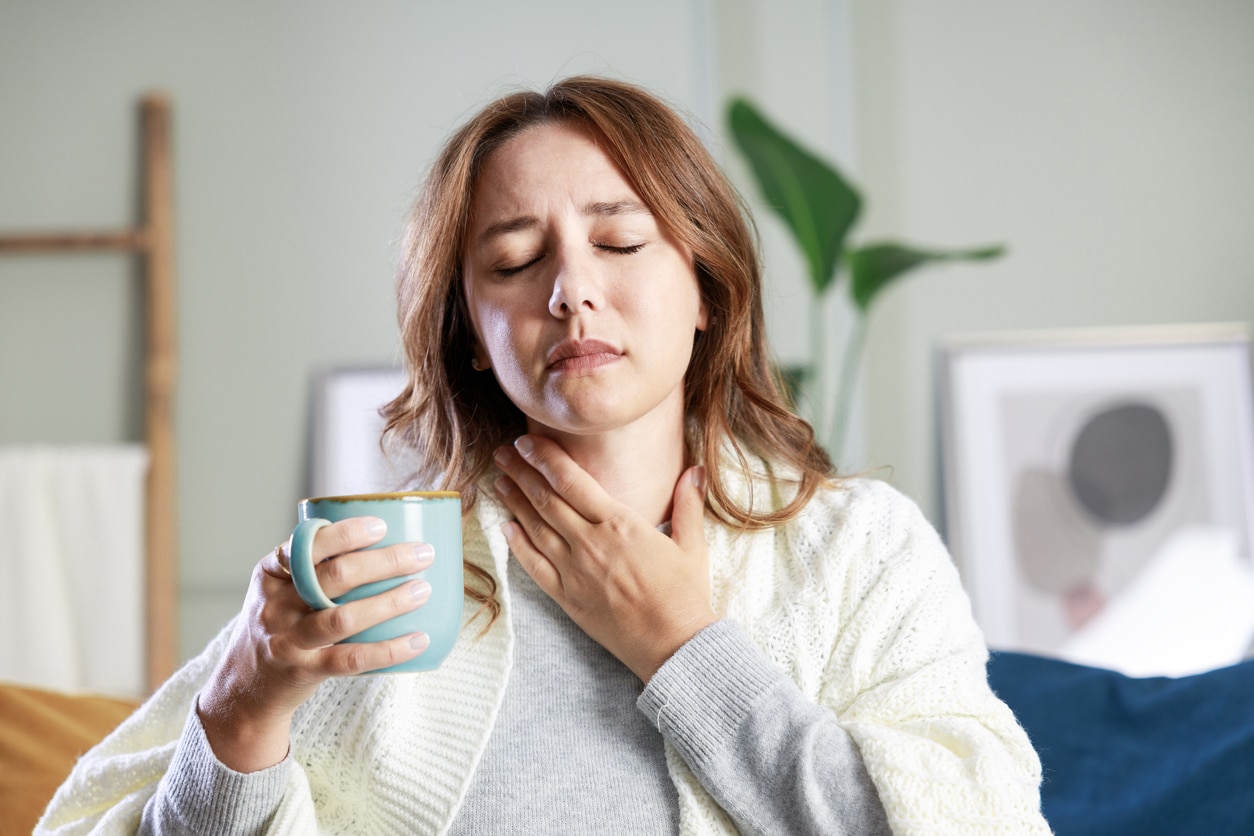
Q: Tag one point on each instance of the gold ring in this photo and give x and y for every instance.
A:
(278, 555)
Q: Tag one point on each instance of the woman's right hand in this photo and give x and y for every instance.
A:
(282, 649)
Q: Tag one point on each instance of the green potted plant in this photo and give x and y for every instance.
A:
(820, 207)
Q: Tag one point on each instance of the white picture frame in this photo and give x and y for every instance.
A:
(346, 457)
(1098, 491)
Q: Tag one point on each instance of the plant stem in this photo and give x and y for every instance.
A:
(817, 388)
(849, 366)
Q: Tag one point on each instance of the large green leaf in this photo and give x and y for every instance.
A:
(873, 266)
(816, 203)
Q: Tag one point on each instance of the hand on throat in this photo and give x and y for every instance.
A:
(638, 464)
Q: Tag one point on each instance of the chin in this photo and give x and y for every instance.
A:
(580, 419)
(574, 425)
(590, 412)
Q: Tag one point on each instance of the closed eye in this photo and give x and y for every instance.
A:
(628, 250)
(516, 269)
(513, 271)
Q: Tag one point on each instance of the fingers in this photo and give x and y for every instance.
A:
(321, 628)
(533, 561)
(310, 639)
(299, 639)
(560, 490)
(347, 536)
(536, 530)
(349, 571)
(350, 658)
(353, 536)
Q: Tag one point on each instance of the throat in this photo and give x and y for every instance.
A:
(639, 471)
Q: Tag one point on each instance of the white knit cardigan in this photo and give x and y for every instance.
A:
(856, 600)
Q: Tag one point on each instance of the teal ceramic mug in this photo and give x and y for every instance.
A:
(433, 517)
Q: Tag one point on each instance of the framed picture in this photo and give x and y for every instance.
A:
(1099, 492)
(346, 457)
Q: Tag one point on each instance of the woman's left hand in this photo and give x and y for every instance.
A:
(635, 591)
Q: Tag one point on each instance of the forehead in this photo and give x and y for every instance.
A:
(545, 162)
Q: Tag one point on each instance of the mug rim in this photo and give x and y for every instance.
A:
(384, 496)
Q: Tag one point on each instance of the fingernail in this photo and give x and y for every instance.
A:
(419, 641)
(508, 528)
(420, 590)
(525, 445)
(502, 485)
(503, 456)
(424, 552)
(375, 527)
(698, 478)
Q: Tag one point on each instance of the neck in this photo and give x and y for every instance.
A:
(638, 464)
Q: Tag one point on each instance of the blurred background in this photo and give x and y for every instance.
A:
(1106, 144)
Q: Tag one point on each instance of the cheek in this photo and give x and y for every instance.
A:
(505, 340)
(693, 304)
(496, 333)
(505, 343)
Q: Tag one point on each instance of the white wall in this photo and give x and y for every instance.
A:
(1108, 144)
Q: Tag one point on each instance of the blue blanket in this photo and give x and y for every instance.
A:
(1136, 756)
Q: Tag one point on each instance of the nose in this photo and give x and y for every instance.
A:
(576, 286)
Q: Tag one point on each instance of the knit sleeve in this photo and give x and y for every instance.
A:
(108, 788)
(771, 757)
(199, 794)
(907, 678)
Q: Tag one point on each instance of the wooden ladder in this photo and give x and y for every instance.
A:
(152, 240)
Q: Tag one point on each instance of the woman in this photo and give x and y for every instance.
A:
(700, 630)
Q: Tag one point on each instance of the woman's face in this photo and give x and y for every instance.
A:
(583, 304)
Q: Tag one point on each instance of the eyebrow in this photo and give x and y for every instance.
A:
(618, 207)
(603, 209)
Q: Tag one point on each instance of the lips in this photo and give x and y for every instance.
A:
(573, 355)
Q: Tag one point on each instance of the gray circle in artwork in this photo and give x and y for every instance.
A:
(1121, 463)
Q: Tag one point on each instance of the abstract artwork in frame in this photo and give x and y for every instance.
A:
(1099, 492)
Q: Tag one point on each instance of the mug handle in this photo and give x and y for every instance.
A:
(302, 565)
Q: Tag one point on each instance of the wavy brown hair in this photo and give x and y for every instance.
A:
(453, 418)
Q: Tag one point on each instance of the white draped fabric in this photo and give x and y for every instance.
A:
(72, 567)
